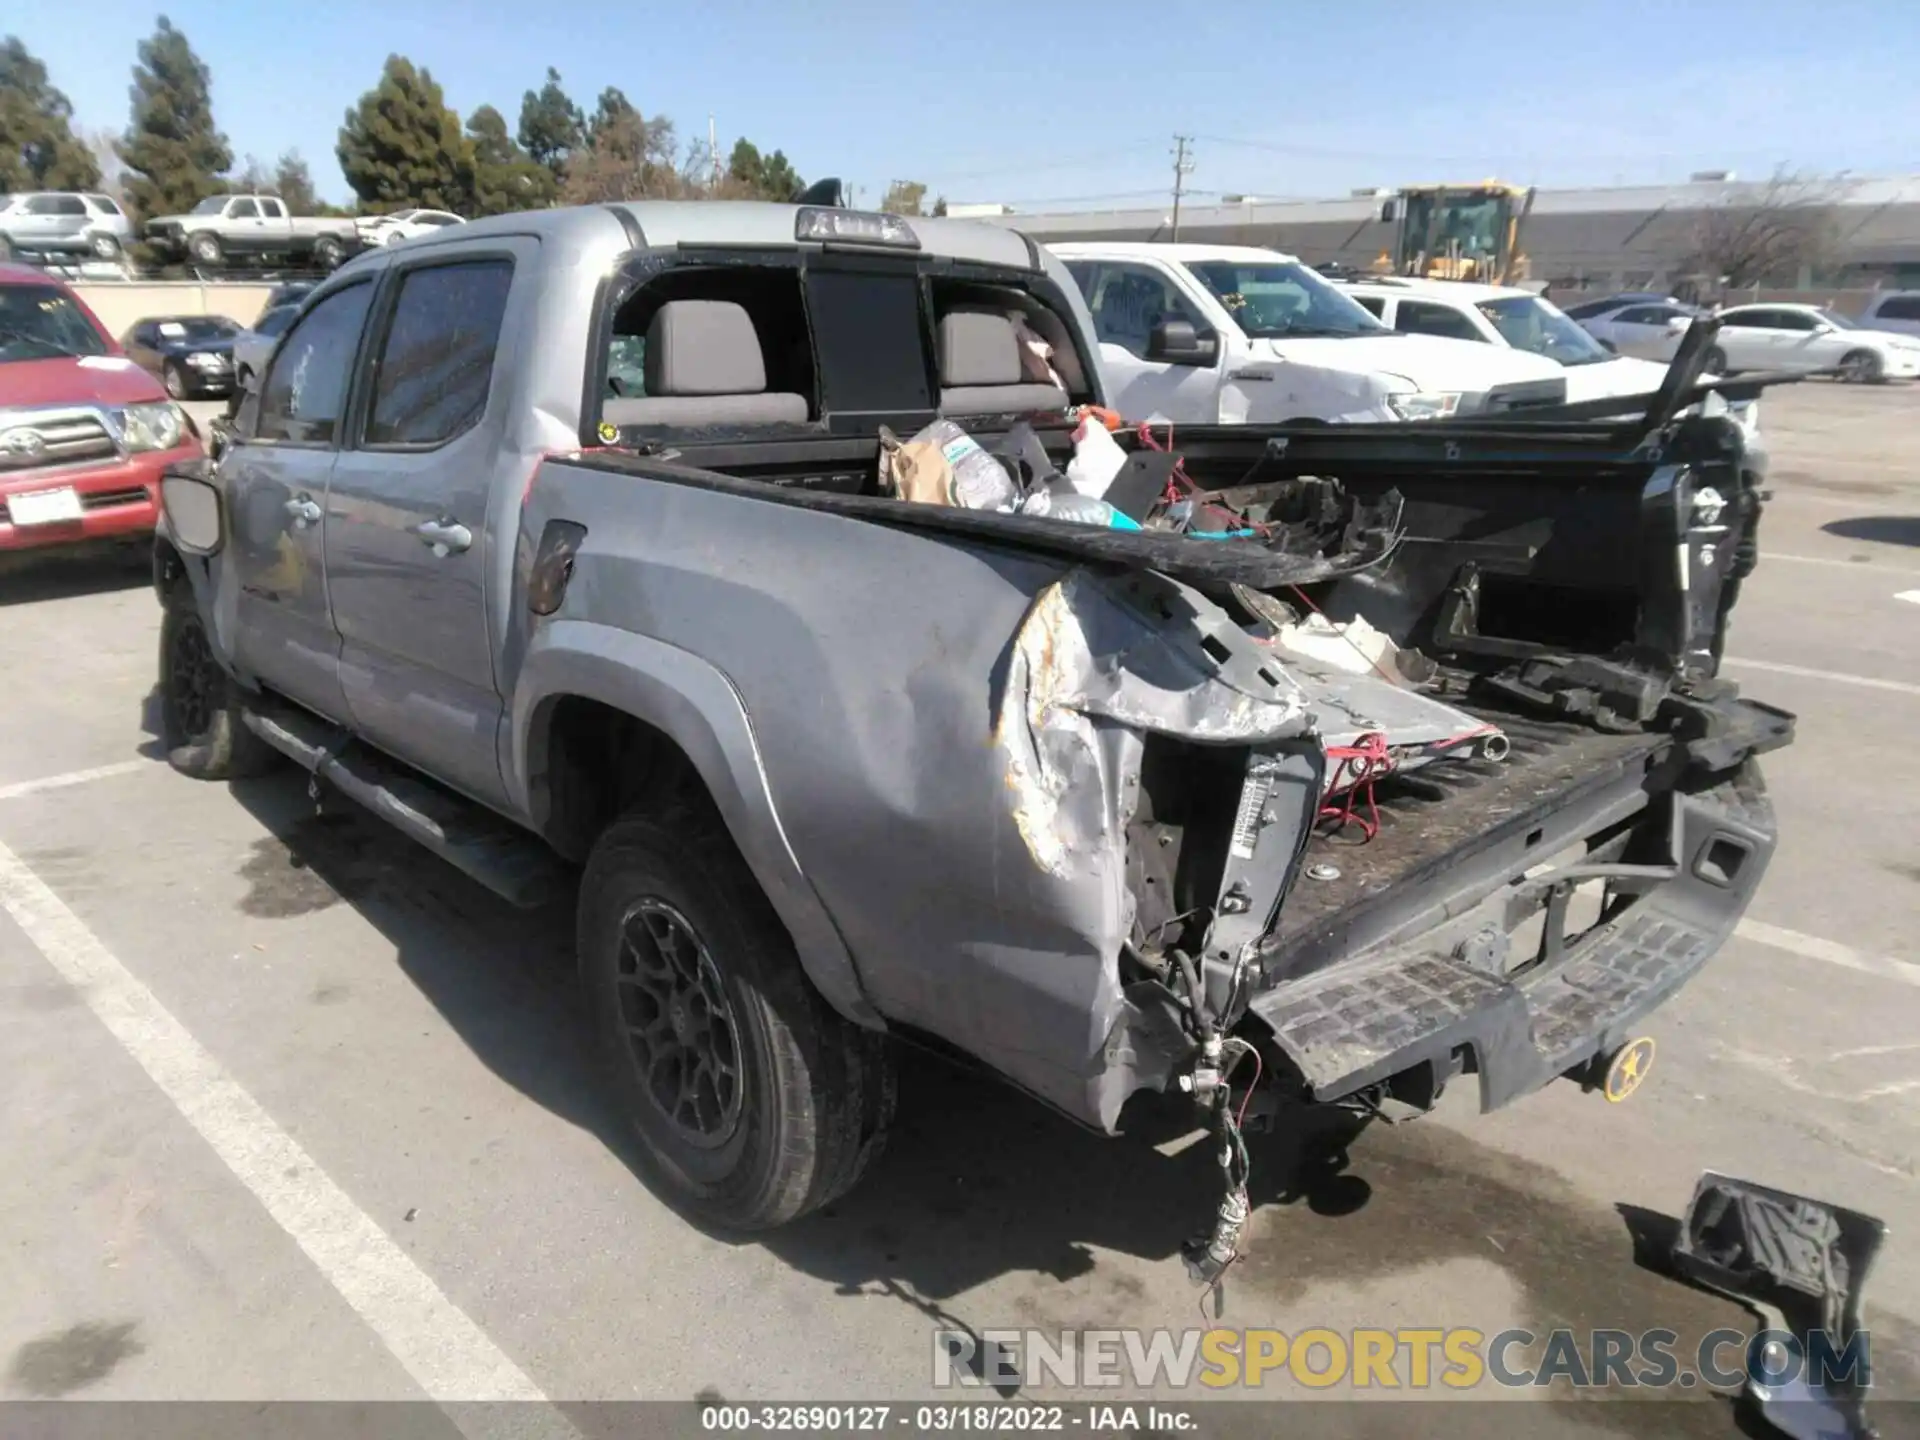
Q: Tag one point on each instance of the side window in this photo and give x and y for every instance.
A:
(1747, 319)
(243, 210)
(436, 362)
(1642, 315)
(1372, 304)
(1794, 320)
(306, 390)
(45, 205)
(1082, 273)
(273, 210)
(1131, 299)
(1900, 307)
(105, 204)
(1417, 317)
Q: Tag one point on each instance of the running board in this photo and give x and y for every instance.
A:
(507, 860)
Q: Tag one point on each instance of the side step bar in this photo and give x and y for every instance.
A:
(501, 856)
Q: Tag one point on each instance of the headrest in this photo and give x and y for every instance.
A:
(704, 347)
(978, 347)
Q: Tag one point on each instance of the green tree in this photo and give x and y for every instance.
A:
(402, 146)
(38, 149)
(626, 157)
(505, 177)
(904, 197)
(293, 183)
(764, 177)
(174, 154)
(551, 125)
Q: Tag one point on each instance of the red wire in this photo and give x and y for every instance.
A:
(1247, 1099)
(1361, 763)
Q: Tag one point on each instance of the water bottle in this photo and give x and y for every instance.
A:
(1079, 509)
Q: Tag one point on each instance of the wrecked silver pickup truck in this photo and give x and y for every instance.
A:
(558, 540)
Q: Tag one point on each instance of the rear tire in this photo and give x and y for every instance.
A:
(328, 253)
(1717, 362)
(175, 379)
(200, 723)
(106, 247)
(1862, 367)
(755, 1101)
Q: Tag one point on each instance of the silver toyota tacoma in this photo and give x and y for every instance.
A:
(559, 541)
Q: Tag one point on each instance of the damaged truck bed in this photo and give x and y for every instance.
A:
(1380, 756)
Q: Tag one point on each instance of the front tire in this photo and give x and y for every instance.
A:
(200, 723)
(1862, 367)
(754, 1100)
(106, 247)
(204, 249)
(1717, 362)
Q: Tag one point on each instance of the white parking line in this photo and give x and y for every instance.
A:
(72, 777)
(1812, 947)
(1899, 687)
(1859, 567)
(447, 1354)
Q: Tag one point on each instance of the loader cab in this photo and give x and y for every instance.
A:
(1458, 232)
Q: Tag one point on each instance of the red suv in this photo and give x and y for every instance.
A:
(84, 432)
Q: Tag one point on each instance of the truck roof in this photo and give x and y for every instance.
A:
(666, 223)
(1468, 292)
(1147, 249)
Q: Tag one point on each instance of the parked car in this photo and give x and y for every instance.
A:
(226, 228)
(1228, 334)
(1583, 309)
(1505, 315)
(61, 225)
(403, 225)
(1893, 310)
(192, 354)
(1809, 338)
(839, 767)
(84, 432)
(290, 292)
(1651, 330)
(252, 346)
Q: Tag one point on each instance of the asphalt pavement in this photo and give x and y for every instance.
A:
(294, 1112)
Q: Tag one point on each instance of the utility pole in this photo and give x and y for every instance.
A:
(713, 150)
(1182, 167)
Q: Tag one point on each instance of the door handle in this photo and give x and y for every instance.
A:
(445, 536)
(304, 511)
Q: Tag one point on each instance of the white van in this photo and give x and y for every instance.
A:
(1230, 334)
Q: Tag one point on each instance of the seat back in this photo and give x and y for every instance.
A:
(704, 366)
(980, 370)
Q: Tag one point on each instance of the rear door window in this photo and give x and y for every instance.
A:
(1417, 317)
(1899, 307)
(435, 366)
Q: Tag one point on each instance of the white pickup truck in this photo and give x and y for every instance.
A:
(225, 228)
(1231, 334)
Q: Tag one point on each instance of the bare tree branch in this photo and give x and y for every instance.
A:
(1766, 231)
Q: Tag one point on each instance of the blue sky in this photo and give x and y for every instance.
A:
(1076, 103)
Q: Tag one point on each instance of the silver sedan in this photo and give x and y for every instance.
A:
(1652, 331)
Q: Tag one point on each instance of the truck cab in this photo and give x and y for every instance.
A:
(1229, 334)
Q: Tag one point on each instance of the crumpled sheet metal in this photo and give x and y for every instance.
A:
(1134, 653)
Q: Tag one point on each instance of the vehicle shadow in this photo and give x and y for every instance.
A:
(1881, 529)
(980, 1183)
(29, 577)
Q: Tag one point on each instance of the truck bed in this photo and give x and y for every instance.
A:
(1435, 818)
